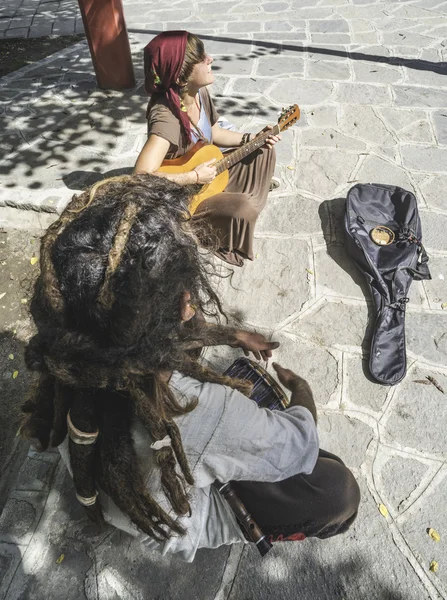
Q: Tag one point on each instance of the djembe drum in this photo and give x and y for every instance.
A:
(267, 394)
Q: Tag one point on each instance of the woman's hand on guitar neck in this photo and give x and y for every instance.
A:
(206, 172)
(272, 139)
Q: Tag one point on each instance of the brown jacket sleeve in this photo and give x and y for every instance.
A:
(164, 124)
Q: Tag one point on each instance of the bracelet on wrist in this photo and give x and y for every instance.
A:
(197, 176)
(245, 139)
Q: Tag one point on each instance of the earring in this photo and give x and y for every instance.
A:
(182, 106)
(190, 312)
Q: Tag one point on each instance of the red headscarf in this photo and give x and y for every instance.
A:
(163, 60)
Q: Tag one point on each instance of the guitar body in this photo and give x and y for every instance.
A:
(202, 152)
(198, 154)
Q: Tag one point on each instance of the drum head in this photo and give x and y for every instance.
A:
(267, 393)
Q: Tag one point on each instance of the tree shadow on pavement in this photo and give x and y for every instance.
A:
(57, 119)
(80, 179)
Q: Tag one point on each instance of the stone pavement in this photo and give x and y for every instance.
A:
(371, 78)
(37, 18)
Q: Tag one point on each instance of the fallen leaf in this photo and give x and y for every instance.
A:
(14, 375)
(290, 168)
(19, 431)
(383, 510)
(435, 383)
(310, 272)
(423, 381)
(24, 301)
(444, 305)
(434, 534)
(2, 295)
(434, 566)
(33, 260)
(11, 356)
(60, 559)
(257, 256)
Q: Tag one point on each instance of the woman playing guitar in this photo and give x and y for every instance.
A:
(181, 113)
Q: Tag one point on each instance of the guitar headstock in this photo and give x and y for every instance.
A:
(288, 117)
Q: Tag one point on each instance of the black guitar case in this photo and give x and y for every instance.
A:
(379, 214)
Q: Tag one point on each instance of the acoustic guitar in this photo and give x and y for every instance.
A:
(202, 152)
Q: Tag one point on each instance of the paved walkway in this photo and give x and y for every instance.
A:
(371, 78)
(37, 18)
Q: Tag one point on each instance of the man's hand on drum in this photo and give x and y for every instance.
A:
(301, 392)
(255, 343)
(206, 172)
(272, 139)
(288, 378)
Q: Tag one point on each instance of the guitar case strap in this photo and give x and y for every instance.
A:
(389, 266)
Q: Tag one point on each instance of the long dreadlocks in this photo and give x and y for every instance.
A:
(114, 268)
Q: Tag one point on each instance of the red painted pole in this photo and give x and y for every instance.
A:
(106, 33)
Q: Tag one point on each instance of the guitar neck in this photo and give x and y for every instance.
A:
(237, 155)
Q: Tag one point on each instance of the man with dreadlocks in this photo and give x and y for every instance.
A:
(149, 427)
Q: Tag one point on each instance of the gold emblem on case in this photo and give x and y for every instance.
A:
(382, 236)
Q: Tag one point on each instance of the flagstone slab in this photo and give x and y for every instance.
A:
(418, 97)
(37, 472)
(307, 93)
(330, 138)
(323, 116)
(321, 172)
(427, 78)
(334, 324)
(363, 93)
(375, 169)
(351, 440)
(289, 215)
(327, 52)
(372, 72)
(273, 286)
(275, 66)
(417, 403)
(420, 158)
(368, 37)
(400, 477)
(335, 71)
(331, 38)
(20, 516)
(237, 65)
(361, 390)
(336, 274)
(434, 191)
(10, 559)
(329, 26)
(433, 230)
(440, 123)
(429, 511)
(436, 287)
(316, 365)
